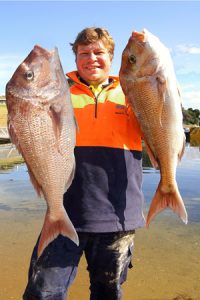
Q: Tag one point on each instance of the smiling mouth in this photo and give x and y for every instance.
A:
(92, 67)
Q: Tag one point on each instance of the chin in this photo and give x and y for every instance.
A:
(94, 78)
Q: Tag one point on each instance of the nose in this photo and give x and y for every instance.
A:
(91, 56)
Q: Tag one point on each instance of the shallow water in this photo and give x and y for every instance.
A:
(166, 256)
(188, 179)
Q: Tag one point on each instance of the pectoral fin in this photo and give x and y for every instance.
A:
(152, 158)
(55, 113)
(161, 87)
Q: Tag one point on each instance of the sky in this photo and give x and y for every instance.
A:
(57, 23)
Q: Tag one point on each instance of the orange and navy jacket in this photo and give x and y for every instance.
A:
(105, 194)
(104, 120)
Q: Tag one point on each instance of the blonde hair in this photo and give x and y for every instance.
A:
(91, 35)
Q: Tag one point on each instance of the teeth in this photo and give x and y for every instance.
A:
(92, 68)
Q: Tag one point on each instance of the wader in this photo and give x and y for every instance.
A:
(108, 257)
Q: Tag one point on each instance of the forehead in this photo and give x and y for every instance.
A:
(98, 45)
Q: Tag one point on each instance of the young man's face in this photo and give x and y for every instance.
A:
(93, 62)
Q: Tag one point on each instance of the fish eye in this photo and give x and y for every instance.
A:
(132, 59)
(29, 75)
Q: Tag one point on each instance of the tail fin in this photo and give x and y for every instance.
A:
(162, 200)
(53, 227)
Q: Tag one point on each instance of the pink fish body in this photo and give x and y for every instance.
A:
(148, 80)
(41, 125)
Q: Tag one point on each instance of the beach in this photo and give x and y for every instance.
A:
(166, 260)
(166, 255)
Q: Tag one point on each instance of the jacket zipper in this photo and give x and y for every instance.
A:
(96, 105)
(96, 97)
(96, 100)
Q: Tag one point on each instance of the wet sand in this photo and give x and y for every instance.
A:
(166, 257)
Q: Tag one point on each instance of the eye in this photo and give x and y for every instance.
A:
(99, 52)
(29, 75)
(132, 59)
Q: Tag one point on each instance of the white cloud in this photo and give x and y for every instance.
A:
(9, 61)
(188, 86)
(8, 64)
(189, 49)
(187, 63)
(3, 74)
(190, 92)
(186, 59)
(191, 99)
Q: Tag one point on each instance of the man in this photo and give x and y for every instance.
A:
(105, 200)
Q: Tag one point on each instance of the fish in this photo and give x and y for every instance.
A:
(148, 80)
(42, 126)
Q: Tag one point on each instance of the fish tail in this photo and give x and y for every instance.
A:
(53, 227)
(167, 196)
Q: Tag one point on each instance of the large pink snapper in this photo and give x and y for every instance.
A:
(41, 125)
(148, 80)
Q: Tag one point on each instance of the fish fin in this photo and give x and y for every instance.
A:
(162, 88)
(55, 113)
(34, 181)
(71, 177)
(179, 91)
(13, 137)
(53, 227)
(76, 124)
(180, 155)
(163, 199)
(152, 158)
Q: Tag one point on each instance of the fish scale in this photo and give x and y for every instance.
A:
(41, 125)
(148, 80)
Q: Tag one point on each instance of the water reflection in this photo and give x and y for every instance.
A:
(4, 207)
(188, 174)
(15, 184)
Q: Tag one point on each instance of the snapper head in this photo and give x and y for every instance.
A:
(142, 56)
(38, 78)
